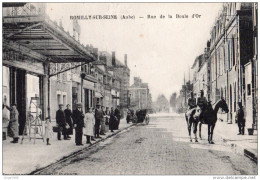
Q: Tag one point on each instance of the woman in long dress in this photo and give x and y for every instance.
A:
(112, 120)
(89, 123)
(13, 124)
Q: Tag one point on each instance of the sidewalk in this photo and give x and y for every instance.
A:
(242, 144)
(27, 157)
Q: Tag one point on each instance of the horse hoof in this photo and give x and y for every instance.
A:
(212, 142)
(196, 140)
(190, 140)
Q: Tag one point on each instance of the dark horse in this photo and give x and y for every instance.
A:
(209, 118)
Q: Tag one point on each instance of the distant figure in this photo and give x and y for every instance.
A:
(102, 123)
(118, 116)
(68, 119)
(89, 123)
(61, 123)
(13, 124)
(78, 120)
(112, 121)
(107, 116)
(240, 119)
(98, 119)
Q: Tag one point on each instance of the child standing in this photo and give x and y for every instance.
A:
(48, 130)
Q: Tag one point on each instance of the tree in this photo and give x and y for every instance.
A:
(162, 104)
(173, 101)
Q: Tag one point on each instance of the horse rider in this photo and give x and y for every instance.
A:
(201, 104)
(191, 101)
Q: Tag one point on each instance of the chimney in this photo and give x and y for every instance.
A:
(95, 52)
(125, 59)
(113, 58)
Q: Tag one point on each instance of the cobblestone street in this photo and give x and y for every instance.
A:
(160, 148)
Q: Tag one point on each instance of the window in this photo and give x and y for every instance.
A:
(233, 51)
(64, 100)
(58, 99)
(249, 89)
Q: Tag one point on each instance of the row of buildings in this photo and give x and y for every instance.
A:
(42, 62)
(228, 67)
(139, 95)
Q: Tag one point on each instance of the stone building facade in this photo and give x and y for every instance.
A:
(140, 97)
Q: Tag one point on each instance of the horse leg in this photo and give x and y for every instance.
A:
(189, 129)
(195, 124)
(200, 130)
(211, 133)
(189, 126)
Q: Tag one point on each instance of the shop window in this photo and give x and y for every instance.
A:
(249, 89)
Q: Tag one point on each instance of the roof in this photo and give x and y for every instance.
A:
(40, 34)
(109, 59)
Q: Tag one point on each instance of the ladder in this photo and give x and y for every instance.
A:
(33, 121)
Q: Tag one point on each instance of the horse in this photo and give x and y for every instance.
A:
(191, 122)
(210, 118)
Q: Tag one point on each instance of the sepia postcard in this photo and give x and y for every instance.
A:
(130, 88)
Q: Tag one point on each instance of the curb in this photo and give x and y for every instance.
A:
(39, 170)
(239, 149)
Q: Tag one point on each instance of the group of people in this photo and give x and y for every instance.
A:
(203, 105)
(92, 124)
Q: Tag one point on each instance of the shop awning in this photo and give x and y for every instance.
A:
(43, 36)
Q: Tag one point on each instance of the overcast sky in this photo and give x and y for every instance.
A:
(159, 51)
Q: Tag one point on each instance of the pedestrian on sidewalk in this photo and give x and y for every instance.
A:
(118, 116)
(48, 130)
(5, 117)
(61, 123)
(107, 116)
(102, 123)
(89, 123)
(68, 118)
(78, 120)
(13, 124)
(112, 120)
(240, 119)
(98, 118)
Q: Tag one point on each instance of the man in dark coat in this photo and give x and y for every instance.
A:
(112, 120)
(191, 101)
(68, 115)
(118, 116)
(98, 118)
(61, 123)
(78, 121)
(240, 119)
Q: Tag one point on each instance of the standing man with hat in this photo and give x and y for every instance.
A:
(61, 123)
(240, 119)
(78, 121)
(98, 118)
